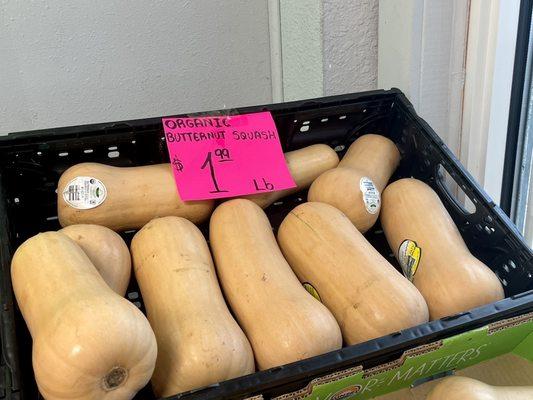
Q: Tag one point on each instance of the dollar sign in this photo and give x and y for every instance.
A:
(177, 164)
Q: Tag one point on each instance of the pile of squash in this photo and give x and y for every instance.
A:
(247, 300)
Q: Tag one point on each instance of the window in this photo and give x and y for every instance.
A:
(517, 187)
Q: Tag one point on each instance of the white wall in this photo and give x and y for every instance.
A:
(500, 99)
(328, 47)
(350, 45)
(64, 63)
(301, 41)
(422, 45)
(454, 60)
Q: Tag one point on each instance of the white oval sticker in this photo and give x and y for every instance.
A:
(371, 196)
(84, 192)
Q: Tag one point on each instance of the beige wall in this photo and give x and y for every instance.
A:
(329, 47)
(64, 63)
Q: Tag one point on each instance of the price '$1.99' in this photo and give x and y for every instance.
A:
(226, 156)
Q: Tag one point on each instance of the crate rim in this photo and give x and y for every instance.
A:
(297, 105)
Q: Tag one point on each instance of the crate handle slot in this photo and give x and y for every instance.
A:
(454, 191)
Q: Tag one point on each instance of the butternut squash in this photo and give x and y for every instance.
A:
(106, 250)
(89, 343)
(199, 341)
(282, 321)
(366, 294)
(462, 388)
(354, 187)
(305, 165)
(432, 252)
(123, 198)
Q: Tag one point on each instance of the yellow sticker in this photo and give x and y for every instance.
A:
(311, 289)
(409, 255)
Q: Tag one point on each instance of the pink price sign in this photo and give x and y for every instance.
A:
(226, 156)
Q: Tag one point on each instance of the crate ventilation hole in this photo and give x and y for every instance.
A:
(509, 265)
(489, 230)
(133, 295)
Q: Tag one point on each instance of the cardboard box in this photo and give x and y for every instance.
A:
(513, 335)
(506, 370)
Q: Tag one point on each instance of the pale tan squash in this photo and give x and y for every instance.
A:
(106, 250)
(433, 253)
(89, 343)
(283, 322)
(305, 165)
(462, 388)
(135, 195)
(199, 341)
(368, 296)
(362, 174)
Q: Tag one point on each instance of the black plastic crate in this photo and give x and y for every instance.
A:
(31, 163)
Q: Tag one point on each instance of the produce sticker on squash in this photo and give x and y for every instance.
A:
(409, 255)
(226, 156)
(84, 192)
(371, 196)
(311, 289)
